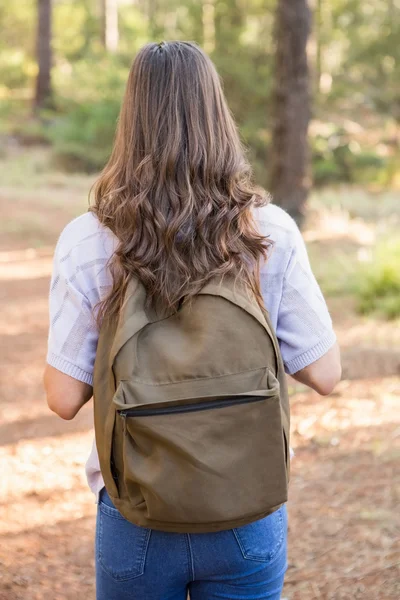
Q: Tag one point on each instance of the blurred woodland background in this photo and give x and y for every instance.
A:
(315, 89)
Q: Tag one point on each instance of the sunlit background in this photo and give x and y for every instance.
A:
(56, 130)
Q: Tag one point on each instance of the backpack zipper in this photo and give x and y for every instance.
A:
(150, 412)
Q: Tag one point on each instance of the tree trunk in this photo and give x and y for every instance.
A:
(208, 18)
(43, 93)
(318, 42)
(289, 174)
(110, 32)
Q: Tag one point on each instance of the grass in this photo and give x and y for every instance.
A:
(354, 248)
(33, 168)
(377, 284)
(334, 268)
(371, 276)
(358, 203)
(36, 200)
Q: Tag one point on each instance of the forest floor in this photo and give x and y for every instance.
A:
(344, 517)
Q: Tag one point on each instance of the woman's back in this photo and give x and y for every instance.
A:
(81, 279)
(174, 207)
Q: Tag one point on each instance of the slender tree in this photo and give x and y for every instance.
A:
(208, 19)
(43, 93)
(110, 30)
(289, 159)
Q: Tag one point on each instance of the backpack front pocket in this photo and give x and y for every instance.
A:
(206, 460)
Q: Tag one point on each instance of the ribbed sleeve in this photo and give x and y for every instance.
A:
(79, 280)
(63, 365)
(311, 355)
(292, 295)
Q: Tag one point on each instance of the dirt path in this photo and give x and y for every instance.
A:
(345, 488)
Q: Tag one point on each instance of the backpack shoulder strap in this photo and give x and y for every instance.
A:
(132, 316)
(236, 293)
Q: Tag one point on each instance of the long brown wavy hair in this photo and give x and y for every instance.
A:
(177, 190)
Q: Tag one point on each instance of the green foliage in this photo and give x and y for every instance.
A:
(368, 72)
(89, 89)
(15, 69)
(336, 156)
(97, 77)
(357, 51)
(17, 63)
(82, 138)
(377, 285)
(347, 265)
(88, 102)
(31, 132)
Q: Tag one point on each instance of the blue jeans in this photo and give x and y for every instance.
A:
(135, 563)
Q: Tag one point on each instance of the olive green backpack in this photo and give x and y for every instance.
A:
(191, 412)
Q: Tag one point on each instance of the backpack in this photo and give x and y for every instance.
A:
(191, 411)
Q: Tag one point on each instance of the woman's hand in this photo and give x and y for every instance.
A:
(65, 395)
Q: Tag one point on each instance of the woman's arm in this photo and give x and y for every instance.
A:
(78, 277)
(323, 374)
(303, 324)
(65, 395)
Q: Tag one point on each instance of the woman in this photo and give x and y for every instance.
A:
(173, 207)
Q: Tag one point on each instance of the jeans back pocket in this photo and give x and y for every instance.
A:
(262, 539)
(121, 546)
